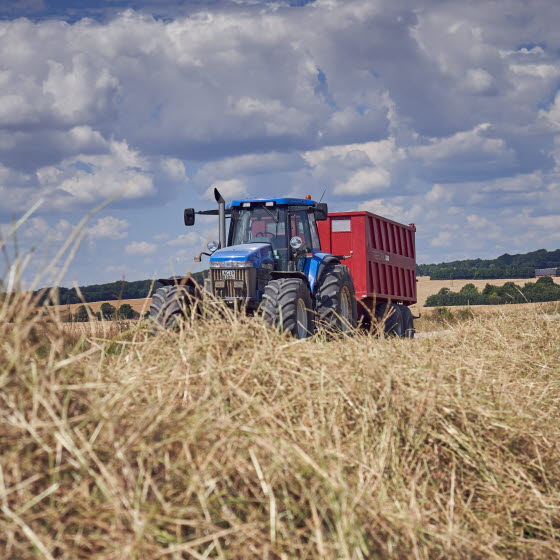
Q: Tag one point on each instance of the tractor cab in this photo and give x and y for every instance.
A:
(266, 238)
(287, 225)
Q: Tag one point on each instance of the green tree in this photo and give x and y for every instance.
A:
(83, 313)
(469, 289)
(108, 311)
(495, 299)
(127, 312)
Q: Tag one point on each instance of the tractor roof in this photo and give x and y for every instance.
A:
(277, 201)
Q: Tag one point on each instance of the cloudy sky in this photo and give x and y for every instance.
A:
(442, 113)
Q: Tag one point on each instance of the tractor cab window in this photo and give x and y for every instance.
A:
(259, 225)
(315, 241)
(301, 225)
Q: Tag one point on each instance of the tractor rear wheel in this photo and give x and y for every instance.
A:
(335, 302)
(170, 305)
(287, 306)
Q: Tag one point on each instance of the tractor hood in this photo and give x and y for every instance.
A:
(241, 255)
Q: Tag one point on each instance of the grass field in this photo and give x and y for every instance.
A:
(229, 440)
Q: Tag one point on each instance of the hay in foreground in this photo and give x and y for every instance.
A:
(228, 440)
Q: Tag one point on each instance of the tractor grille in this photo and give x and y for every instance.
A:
(235, 283)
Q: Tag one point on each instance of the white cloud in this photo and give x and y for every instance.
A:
(365, 181)
(36, 227)
(442, 239)
(62, 230)
(174, 169)
(552, 116)
(140, 248)
(355, 169)
(229, 188)
(109, 227)
(386, 208)
(189, 239)
(122, 173)
(474, 152)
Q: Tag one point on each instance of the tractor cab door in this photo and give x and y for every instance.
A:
(302, 224)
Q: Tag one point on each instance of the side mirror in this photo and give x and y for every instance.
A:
(189, 216)
(321, 211)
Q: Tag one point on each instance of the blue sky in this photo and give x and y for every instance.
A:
(445, 114)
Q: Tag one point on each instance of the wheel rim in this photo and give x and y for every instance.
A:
(345, 309)
(302, 329)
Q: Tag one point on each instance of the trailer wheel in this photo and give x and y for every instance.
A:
(408, 322)
(287, 306)
(393, 321)
(335, 300)
(170, 304)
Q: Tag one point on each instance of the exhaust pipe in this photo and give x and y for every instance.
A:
(221, 217)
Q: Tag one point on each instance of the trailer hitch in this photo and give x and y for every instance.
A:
(344, 257)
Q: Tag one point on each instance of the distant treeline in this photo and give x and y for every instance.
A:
(505, 266)
(544, 289)
(108, 292)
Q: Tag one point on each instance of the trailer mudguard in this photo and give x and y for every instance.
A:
(314, 265)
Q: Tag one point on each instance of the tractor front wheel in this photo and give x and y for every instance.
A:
(170, 305)
(287, 306)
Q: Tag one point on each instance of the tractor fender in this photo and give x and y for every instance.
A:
(289, 274)
(315, 266)
(185, 281)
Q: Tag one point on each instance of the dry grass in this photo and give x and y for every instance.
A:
(228, 440)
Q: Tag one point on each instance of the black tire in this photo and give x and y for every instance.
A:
(408, 322)
(287, 306)
(170, 305)
(390, 315)
(335, 300)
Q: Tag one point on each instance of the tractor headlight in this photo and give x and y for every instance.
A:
(296, 242)
(212, 246)
(231, 264)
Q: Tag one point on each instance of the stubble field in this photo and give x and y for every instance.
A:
(229, 440)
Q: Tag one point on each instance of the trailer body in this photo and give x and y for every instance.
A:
(379, 252)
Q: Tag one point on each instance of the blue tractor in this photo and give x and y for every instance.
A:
(270, 262)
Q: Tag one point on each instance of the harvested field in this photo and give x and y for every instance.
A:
(140, 305)
(426, 287)
(229, 440)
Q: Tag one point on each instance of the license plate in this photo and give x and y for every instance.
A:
(228, 274)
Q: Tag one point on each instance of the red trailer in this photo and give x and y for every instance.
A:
(382, 257)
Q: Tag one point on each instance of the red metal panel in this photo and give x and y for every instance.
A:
(376, 235)
(383, 254)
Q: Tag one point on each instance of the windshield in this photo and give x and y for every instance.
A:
(259, 224)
